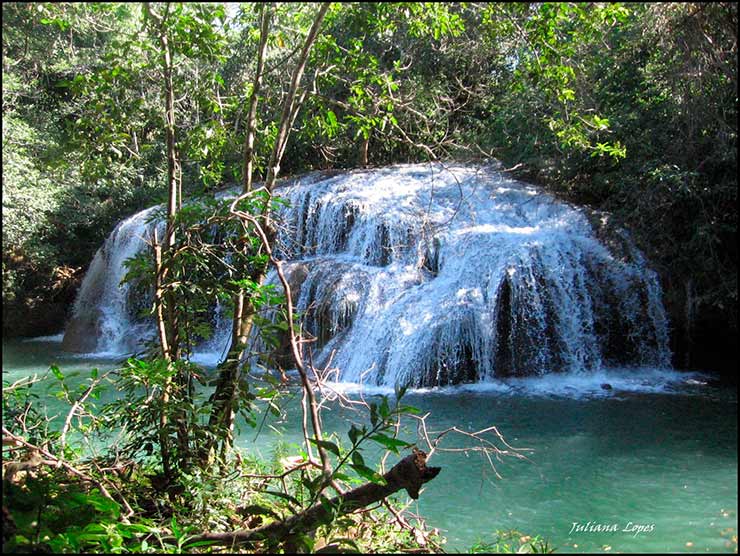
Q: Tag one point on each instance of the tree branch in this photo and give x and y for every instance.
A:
(408, 474)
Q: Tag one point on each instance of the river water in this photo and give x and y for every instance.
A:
(648, 466)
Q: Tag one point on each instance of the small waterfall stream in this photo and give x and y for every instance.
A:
(104, 319)
(428, 274)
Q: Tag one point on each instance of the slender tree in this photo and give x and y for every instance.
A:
(222, 415)
(164, 302)
(167, 327)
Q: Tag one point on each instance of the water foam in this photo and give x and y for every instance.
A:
(607, 383)
(54, 338)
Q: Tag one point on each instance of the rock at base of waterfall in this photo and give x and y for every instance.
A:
(81, 335)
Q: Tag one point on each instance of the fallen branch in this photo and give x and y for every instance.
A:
(485, 446)
(52, 460)
(408, 474)
(22, 382)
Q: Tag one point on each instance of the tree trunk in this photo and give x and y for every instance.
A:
(168, 326)
(171, 350)
(363, 151)
(173, 201)
(265, 16)
(164, 445)
(222, 413)
(289, 106)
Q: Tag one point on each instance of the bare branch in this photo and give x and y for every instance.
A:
(51, 459)
(73, 411)
(410, 474)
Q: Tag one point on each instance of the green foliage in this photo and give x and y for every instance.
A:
(54, 510)
(630, 108)
(65, 518)
(52, 196)
(21, 409)
(211, 260)
(512, 542)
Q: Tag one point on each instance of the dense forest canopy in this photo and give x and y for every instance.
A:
(630, 108)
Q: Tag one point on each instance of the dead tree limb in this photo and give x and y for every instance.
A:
(52, 460)
(409, 474)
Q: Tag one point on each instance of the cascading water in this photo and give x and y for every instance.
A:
(431, 275)
(105, 316)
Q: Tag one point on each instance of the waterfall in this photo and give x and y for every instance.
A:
(105, 315)
(434, 274)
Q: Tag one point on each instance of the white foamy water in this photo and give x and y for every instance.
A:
(55, 338)
(106, 321)
(598, 384)
(425, 275)
(432, 275)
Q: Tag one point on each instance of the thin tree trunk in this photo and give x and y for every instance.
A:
(286, 118)
(222, 413)
(173, 201)
(363, 151)
(168, 327)
(173, 188)
(174, 204)
(159, 297)
(265, 16)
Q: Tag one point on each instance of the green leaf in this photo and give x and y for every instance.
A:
(355, 434)
(341, 476)
(103, 504)
(373, 414)
(333, 448)
(400, 391)
(385, 409)
(357, 458)
(331, 123)
(328, 506)
(175, 529)
(56, 372)
(369, 474)
(389, 442)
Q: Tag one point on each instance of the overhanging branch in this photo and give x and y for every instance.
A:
(408, 474)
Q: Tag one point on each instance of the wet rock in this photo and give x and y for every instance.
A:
(81, 335)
